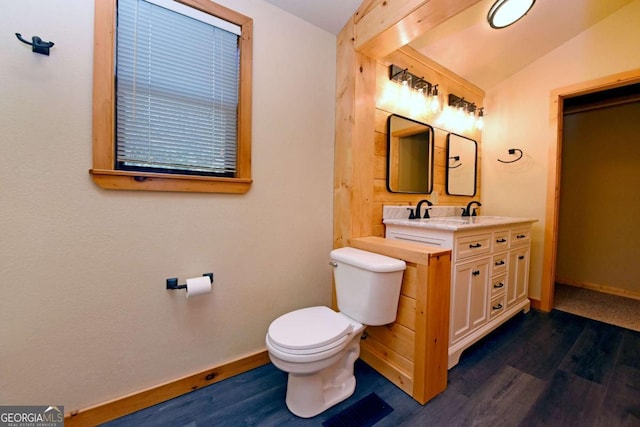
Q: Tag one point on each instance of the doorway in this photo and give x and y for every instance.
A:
(561, 100)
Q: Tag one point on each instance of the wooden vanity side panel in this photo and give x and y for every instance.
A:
(393, 338)
(378, 361)
(409, 280)
(406, 312)
(390, 349)
(432, 328)
(412, 352)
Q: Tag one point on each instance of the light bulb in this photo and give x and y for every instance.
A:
(480, 120)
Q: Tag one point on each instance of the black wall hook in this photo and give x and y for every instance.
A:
(37, 45)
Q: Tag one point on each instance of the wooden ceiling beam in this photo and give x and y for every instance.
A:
(383, 26)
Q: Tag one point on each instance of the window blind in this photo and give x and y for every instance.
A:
(177, 84)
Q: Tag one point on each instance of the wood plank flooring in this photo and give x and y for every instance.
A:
(538, 369)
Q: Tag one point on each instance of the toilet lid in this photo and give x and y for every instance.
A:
(309, 328)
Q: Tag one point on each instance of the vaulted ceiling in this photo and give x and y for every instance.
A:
(466, 44)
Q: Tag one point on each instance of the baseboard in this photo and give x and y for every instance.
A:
(535, 303)
(143, 399)
(599, 288)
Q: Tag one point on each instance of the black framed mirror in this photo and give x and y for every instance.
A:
(462, 165)
(409, 156)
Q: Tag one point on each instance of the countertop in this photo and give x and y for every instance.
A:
(455, 223)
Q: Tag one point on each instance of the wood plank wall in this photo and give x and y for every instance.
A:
(412, 352)
(447, 82)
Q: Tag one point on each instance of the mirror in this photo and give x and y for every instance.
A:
(410, 156)
(462, 155)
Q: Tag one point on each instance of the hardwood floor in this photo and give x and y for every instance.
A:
(539, 369)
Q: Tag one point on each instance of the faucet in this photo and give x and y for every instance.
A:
(416, 214)
(419, 205)
(467, 211)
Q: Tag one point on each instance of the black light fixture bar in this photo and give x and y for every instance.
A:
(457, 102)
(401, 75)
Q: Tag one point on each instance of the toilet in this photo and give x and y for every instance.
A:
(318, 346)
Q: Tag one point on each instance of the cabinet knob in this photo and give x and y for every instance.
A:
(475, 273)
(521, 236)
(477, 245)
(497, 306)
(501, 262)
(521, 257)
(501, 240)
(498, 285)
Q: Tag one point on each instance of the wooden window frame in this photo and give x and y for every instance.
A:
(103, 171)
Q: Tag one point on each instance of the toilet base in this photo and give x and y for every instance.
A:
(311, 394)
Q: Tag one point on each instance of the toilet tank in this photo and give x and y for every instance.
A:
(367, 285)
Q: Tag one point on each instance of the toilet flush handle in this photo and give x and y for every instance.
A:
(333, 264)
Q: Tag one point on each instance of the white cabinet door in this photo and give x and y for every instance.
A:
(518, 281)
(469, 297)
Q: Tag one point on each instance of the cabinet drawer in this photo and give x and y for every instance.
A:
(520, 236)
(500, 240)
(498, 285)
(499, 263)
(468, 246)
(497, 306)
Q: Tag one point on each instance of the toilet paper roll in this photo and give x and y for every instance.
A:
(198, 286)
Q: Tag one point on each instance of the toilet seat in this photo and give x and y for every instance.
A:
(309, 331)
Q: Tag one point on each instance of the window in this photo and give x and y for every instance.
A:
(172, 96)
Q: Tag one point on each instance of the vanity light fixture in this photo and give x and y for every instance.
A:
(505, 12)
(460, 114)
(418, 84)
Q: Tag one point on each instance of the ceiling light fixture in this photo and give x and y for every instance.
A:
(505, 12)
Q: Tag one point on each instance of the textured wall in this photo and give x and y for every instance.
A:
(518, 116)
(85, 316)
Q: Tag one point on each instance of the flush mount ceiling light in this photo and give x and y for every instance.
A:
(505, 12)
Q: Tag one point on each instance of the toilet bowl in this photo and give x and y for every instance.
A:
(319, 359)
(318, 346)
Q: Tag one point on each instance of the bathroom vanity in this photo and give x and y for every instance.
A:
(489, 269)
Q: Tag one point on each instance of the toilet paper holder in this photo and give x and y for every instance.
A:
(172, 283)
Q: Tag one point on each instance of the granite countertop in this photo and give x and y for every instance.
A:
(455, 223)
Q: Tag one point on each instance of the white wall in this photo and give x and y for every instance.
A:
(518, 116)
(85, 314)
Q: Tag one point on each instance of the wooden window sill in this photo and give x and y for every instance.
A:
(149, 181)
